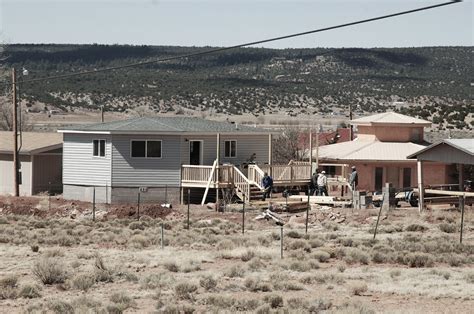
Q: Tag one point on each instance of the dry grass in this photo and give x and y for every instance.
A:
(214, 268)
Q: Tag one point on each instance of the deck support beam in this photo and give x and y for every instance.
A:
(421, 201)
(218, 150)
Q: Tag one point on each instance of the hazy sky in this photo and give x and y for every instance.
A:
(229, 22)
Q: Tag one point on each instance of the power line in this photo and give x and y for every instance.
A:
(215, 50)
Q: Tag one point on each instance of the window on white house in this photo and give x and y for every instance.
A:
(149, 149)
(230, 149)
(98, 148)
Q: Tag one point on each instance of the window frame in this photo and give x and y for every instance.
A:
(98, 148)
(230, 149)
(146, 148)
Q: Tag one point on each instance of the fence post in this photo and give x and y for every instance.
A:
(93, 204)
(462, 200)
(49, 197)
(162, 236)
(307, 211)
(281, 242)
(189, 204)
(378, 217)
(243, 215)
(166, 193)
(138, 206)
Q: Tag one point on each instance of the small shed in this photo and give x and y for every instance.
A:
(458, 151)
(40, 159)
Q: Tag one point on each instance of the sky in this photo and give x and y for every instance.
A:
(231, 22)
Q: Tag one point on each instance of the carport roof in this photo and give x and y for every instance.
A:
(31, 142)
(449, 151)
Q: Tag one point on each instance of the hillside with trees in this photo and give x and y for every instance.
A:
(431, 82)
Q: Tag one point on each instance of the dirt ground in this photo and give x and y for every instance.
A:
(55, 259)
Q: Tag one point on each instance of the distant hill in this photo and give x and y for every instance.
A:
(430, 82)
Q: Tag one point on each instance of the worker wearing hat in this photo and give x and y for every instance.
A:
(322, 184)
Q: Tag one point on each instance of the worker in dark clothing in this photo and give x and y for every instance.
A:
(267, 183)
(354, 179)
(314, 183)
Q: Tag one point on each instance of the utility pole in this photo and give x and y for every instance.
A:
(15, 136)
(350, 119)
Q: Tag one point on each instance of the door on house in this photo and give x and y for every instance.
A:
(393, 176)
(378, 178)
(195, 152)
(406, 177)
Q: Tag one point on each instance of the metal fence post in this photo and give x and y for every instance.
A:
(307, 211)
(378, 217)
(281, 241)
(138, 206)
(162, 236)
(243, 215)
(93, 204)
(189, 204)
(166, 193)
(462, 200)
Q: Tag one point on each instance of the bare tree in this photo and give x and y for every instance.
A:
(288, 145)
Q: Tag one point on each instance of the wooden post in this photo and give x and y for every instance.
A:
(281, 242)
(311, 149)
(93, 204)
(270, 154)
(421, 202)
(218, 150)
(378, 217)
(461, 182)
(243, 215)
(317, 146)
(461, 206)
(162, 242)
(138, 206)
(16, 188)
(307, 210)
(102, 114)
(189, 204)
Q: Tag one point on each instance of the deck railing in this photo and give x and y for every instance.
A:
(255, 175)
(199, 174)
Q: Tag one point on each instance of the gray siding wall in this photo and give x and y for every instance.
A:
(135, 172)
(79, 166)
(86, 193)
(246, 146)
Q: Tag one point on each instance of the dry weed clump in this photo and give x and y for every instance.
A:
(8, 287)
(235, 271)
(60, 306)
(418, 260)
(29, 291)
(274, 300)
(121, 302)
(247, 255)
(448, 227)
(185, 290)
(83, 282)
(469, 277)
(395, 273)
(416, 228)
(50, 271)
(101, 272)
(358, 288)
(208, 283)
(171, 266)
(139, 241)
(321, 256)
(256, 284)
(355, 255)
(294, 234)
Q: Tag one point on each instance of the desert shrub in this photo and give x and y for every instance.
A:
(8, 287)
(314, 243)
(416, 228)
(54, 252)
(65, 240)
(30, 291)
(319, 305)
(454, 260)
(274, 300)
(139, 241)
(3, 221)
(136, 225)
(395, 273)
(156, 280)
(331, 226)
(255, 264)
(121, 302)
(34, 248)
(346, 241)
(469, 277)
(235, 271)
(445, 274)
(101, 272)
(247, 305)
(358, 288)
(300, 266)
(321, 256)
(294, 234)
(171, 266)
(354, 255)
(185, 290)
(61, 307)
(208, 283)
(379, 257)
(220, 301)
(255, 285)
(418, 260)
(448, 228)
(225, 244)
(50, 271)
(247, 255)
(275, 236)
(297, 303)
(298, 244)
(83, 281)
(341, 268)
(263, 309)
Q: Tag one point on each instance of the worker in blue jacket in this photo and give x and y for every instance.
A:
(267, 183)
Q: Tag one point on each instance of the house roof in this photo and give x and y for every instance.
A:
(164, 125)
(390, 118)
(325, 137)
(369, 150)
(31, 142)
(448, 150)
